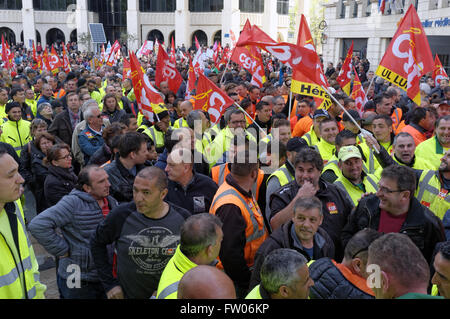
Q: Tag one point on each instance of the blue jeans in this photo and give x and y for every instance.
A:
(88, 290)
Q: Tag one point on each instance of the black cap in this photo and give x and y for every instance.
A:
(319, 113)
(354, 114)
(295, 144)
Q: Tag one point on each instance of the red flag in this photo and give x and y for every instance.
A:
(191, 79)
(147, 97)
(249, 57)
(301, 84)
(167, 71)
(6, 54)
(291, 55)
(54, 61)
(112, 55)
(211, 99)
(358, 94)
(344, 78)
(233, 38)
(173, 58)
(66, 63)
(197, 45)
(126, 69)
(439, 71)
(408, 56)
(45, 61)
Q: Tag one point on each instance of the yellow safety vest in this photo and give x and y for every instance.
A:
(17, 134)
(325, 149)
(156, 135)
(370, 183)
(311, 137)
(181, 122)
(430, 151)
(254, 294)
(19, 275)
(283, 175)
(431, 194)
(177, 266)
(33, 105)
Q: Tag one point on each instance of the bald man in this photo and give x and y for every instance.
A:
(206, 282)
(185, 108)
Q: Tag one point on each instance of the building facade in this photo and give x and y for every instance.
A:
(361, 22)
(134, 21)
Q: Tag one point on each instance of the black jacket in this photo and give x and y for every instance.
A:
(101, 156)
(121, 180)
(114, 116)
(198, 196)
(330, 283)
(58, 183)
(283, 238)
(421, 225)
(62, 127)
(335, 204)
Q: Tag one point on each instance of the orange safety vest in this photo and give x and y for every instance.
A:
(396, 117)
(255, 232)
(59, 94)
(220, 172)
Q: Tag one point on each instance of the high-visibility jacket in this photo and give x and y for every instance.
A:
(283, 174)
(255, 231)
(370, 183)
(157, 136)
(177, 266)
(325, 149)
(3, 114)
(33, 105)
(371, 163)
(96, 96)
(431, 151)
(311, 137)
(209, 133)
(431, 194)
(19, 275)
(181, 122)
(302, 126)
(418, 164)
(333, 165)
(220, 172)
(396, 117)
(254, 293)
(17, 134)
(59, 94)
(416, 134)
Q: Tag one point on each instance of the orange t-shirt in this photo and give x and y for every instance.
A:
(303, 126)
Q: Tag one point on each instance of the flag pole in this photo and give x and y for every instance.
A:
(363, 131)
(240, 107)
(370, 85)
(224, 71)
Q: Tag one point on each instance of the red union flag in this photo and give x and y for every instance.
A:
(211, 99)
(293, 56)
(147, 97)
(126, 69)
(301, 84)
(66, 63)
(45, 61)
(249, 57)
(173, 57)
(7, 55)
(54, 61)
(439, 71)
(358, 94)
(167, 71)
(344, 78)
(191, 80)
(111, 59)
(408, 56)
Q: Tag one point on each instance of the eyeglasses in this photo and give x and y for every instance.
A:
(388, 191)
(65, 157)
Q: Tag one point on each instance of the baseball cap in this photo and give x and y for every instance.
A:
(319, 113)
(295, 144)
(347, 152)
(353, 113)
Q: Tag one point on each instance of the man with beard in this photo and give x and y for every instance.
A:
(335, 202)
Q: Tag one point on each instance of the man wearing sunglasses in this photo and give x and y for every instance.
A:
(394, 209)
(91, 139)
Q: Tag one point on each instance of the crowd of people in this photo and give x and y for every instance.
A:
(293, 203)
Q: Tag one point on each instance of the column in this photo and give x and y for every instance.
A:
(231, 20)
(182, 24)
(270, 19)
(133, 25)
(82, 24)
(29, 28)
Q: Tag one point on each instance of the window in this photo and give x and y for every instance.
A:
(53, 5)
(11, 4)
(157, 5)
(283, 7)
(205, 5)
(340, 10)
(367, 8)
(355, 9)
(255, 6)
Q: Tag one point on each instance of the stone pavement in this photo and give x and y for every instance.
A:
(47, 277)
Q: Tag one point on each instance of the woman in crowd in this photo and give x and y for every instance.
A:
(45, 112)
(60, 179)
(111, 108)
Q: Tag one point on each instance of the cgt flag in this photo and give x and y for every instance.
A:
(111, 58)
(345, 75)
(408, 56)
(126, 69)
(358, 94)
(66, 63)
(439, 71)
(147, 97)
(54, 61)
(301, 84)
(167, 71)
(211, 99)
(249, 57)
